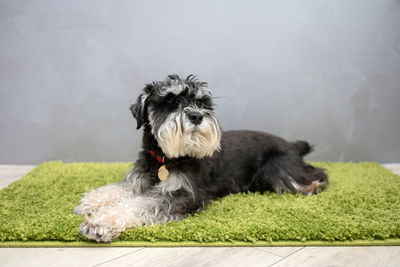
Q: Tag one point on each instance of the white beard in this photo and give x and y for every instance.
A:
(178, 137)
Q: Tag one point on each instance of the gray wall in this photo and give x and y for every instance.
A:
(324, 71)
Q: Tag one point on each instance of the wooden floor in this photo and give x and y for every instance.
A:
(150, 257)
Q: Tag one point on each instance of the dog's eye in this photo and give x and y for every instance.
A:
(199, 102)
(204, 103)
(170, 99)
(181, 101)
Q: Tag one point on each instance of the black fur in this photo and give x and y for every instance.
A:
(249, 161)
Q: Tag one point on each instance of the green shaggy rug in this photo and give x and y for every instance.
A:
(361, 206)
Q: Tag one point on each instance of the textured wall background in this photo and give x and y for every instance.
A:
(324, 71)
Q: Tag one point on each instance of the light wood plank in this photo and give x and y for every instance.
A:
(394, 167)
(195, 257)
(12, 173)
(280, 251)
(343, 256)
(11, 166)
(59, 257)
(4, 168)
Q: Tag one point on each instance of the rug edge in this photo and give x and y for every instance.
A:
(49, 244)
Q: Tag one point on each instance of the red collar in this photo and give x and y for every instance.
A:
(157, 156)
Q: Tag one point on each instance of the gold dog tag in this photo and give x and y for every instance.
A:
(163, 173)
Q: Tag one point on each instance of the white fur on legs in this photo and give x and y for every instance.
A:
(110, 209)
(109, 221)
(104, 196)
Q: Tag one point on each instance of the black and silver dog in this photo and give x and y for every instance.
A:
(187, 161)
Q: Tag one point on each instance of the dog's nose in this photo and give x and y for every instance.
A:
(195, 117)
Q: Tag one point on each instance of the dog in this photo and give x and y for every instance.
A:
(187, 160)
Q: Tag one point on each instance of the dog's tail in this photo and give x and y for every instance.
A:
(303, 147)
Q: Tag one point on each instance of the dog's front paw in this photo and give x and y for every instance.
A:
(98, 232)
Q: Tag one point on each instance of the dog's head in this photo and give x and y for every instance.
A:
(180, 115)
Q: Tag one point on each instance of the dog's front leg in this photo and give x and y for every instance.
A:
(104, 196)
(108, 195)
(169, 200)
(109, 222)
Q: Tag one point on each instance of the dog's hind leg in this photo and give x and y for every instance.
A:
(315, 179)
(289, 173)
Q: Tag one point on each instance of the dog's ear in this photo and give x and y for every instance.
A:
(138, 110)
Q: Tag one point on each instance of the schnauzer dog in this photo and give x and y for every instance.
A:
(187, 161)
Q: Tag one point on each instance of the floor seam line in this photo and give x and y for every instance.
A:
(286, 257)
(98, 264)
(269, 253)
